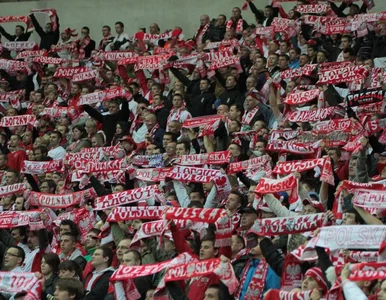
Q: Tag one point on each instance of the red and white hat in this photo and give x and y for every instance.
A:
(316, 273)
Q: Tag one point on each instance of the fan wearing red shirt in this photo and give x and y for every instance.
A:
(17, 155)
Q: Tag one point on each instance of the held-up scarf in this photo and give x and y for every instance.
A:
(341, 125)
(69, 72)
(126, 197)
(302, 97)
(113, 55)
(284, 295)
(225, 62)
(286, 183)
(348, 74)
(287, 134)
(110, 151)
(350, 237)
(239, 25)
(248, 116)
(363, 98)
(208, 215)
(151, 62)
(283, 168)
(201, 121)
(46, 60)
(288, 225)
(292, 147)
(200, 34)
(12, 65)
(368, 271)
(175, 114)
(257, 283)
(148, 161)
(369, 199)
(105, 95)
(91, 166)
(12, 121)
(51, 14)
(41, 167)
(150, 229)
(81, 216)
(12, 189)
(253, 163)
(303, 71)
(31, 53)
(15, 282)
(121, 214)
(223, 270)
(20, 46)
(61, 201)
(84, 76)
(151, 174)
(214, 158)
(311, 115)
(291, 276)
(312, 8)
(31, 218)
(22, 19)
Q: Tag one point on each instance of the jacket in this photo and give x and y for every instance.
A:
(12, 38)
(162, 116)
(231, 96)
(100, 285)
(47, 39)
(202, 104)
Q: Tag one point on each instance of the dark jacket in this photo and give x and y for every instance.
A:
(162, 116)
(272, 255)
(379, 48)
(261, 79)
(47, 39)
(109, 121)
(49, 286)
(88, 49)
(202, 104)
(231, 96)
(100, 287)
(158, 136)
(214, 33)
(24, 37)
(192, 86)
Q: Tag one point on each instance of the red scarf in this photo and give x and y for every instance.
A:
(257, 283)
(153, 130)
(199, 34)
(248, 116)
(175, 114)
(239, 26)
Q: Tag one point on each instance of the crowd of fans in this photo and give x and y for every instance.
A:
(245, 162)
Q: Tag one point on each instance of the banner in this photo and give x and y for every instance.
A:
(21, 120)
(358, 98)
(31, 53)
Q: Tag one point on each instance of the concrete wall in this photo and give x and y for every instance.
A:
(135, 13)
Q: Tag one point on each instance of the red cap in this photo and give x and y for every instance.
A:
(319, 206)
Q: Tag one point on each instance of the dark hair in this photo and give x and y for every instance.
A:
(285, 56)
(107, 252)
(53, 261)
(135, 84)
(196, 204)
(239, 108)
(136, 255)
(297, 50)
(158, 85)
(201, 193)
(358, 218)
(347, 36)
(107, 26)
(73, 237)
(82, 129)
(51, 184)
(86, 28)
(349, 51)
(95, 230)
(239, 195)
(43, 149)
(20, 253)
(178, 95)
(71, 265)
(73, 227)
(22, 232)
(58, 134)
(73, 286)
(119, 23)
(21, 27)
(185, 143)
(174, 137)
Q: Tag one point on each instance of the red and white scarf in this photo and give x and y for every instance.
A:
(201, 121)
(31, 53)
(347, 74)
(151, 174)
(69, 72)
(312, 8)
(22, 120)
(31, 218)
(214, 158)
(200, 34)
(311, 115)
(283, 168)
(81, 216)
(121, 214)
(51, 14)
(208, 215)
(12, 65)
(239, 25)
(20, 46)
(292, 147)
(92, 166)
(18, 19)
(257, 283)
(368, 271)
(151, 229)
(302, 97)
(286, 183)
(12, 189)
(41, 167)
(288, 225)
(257, 163)
(126, 197)
(61, 201)
(84, 76)
(15, 282)
(248, 116)
(284, 295)
(47, 60)
(293, 73)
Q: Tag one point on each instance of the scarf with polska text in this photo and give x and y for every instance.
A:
(288, 225)
(148, 161)
(223, 270)
(346, 74)
(121, 214)
(302, 97)
(12, 189)
(151, 229)
(110, 176)
(292, 147)
(41, 167)
(92, 166)
(214, 158)
(31, 218)
(290, 182)
(16, 282)
(201, 121)
(13, 121)
(257, 163)
(368, 271)
(61, 201)
(71, 158)
(312, 115)
(370, 199)
(22, 19)
(31, 53)
(110, 151)
(47, 60)
(51, 14)
(128, 196)
(284, 295)
(151, 174)
(303, 71)
(283, 168)
(81, 216)
(69, 72)
(20, 46)
(12, 65)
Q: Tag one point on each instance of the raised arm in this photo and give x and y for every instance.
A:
(37, 26)
(93, 113)
(6, 34)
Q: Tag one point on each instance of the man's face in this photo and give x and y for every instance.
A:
(18, 31)
(11, 178)
(177, 101)
(283, 63)
(157, 100)
(166, 140)
(207, 250)
(233, 115)
(48, 27)
(63, 228)
(97, 258)
(333, 155)
(293, 55)
(247, 220)
(14, 141)
(118, 29)
(195, 196)
(62, 295)
(174, 127)
(236, 13)
(250, 83)
(123, 247)
(309, 284)
(113, 108)
(283, 47)
(105, 32)
(12, 259)
(84, 33)
(153, 28)
(234, 127)
(91, 240)
(27, 138)
(349, 219)
(236, 245)
(54, 140)
(272, 60)
(345, 43)
(171, 149)
(234, 150)
(308, 210)
(150, 121)
(232, 203)
(382, 293)
(129, 260)
(204, 20)
(67, 244)
(251, 103)
(347, 57)
(19, 202)
(38, 154)
(259, 64)
(32, 241)
(222, 110)
(251, 193)
(180, 150)
(303, 60)
(211, 294)
(230, 82)
(204, 85)
(221, 20)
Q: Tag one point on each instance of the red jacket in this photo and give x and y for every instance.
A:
(16, 159)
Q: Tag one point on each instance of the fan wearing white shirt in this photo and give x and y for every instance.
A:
(121, 41)
(14, 258)
(57, 152)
